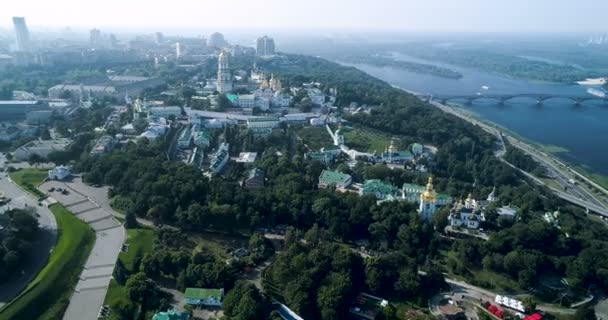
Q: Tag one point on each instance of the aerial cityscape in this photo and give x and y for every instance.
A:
(337, 160)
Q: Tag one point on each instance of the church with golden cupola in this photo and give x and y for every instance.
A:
(428, 201)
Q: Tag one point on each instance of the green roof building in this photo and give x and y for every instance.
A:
(171, 315)
(232, 97)
(411, 193)
(323, 157)
(379, 189)
(333, 178)
(201, 138)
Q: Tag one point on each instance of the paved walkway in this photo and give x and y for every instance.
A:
(90, 291)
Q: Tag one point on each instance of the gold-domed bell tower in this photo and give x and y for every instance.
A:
(428, 201)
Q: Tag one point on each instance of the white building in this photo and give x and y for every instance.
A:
(220, 158)
(59, 173)
(316, 96)
(41, 148)
(428, 201)
(253, 123)
(247, 157)
(467, 214)
(224, 76)
(165, 112)
(185, 138)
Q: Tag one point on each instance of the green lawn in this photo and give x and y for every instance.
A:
(365, 140)
(483, 278)
(47, 296)
(29, 179)
(140, 242)
(315, 137)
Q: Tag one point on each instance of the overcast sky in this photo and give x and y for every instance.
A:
(406, 15)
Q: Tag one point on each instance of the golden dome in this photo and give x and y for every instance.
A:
(429, 194)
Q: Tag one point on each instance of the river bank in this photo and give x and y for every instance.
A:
(593, 183)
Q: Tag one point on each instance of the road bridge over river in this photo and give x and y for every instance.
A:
(538, 98)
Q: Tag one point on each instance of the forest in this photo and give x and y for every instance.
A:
(18, 230)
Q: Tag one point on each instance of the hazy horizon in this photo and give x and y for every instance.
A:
(195, 17)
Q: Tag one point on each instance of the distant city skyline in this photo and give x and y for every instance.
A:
(282, 15)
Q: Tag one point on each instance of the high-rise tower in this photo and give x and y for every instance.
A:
(265, 46)
(224, 77)
(22, 34)
(95, 38)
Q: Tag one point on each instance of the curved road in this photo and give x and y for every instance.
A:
(45, 242)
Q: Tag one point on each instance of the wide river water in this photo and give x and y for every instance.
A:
(581, 130)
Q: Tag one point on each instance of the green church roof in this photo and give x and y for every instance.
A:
(171, 315)
(333, 177)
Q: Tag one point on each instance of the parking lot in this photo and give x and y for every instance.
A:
(90, 291)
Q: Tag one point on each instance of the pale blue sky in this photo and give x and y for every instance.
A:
(408, 15)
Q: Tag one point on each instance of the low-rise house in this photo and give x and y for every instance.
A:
(323, 157)
(255, 179)
(508, 212)
(103, 145)
(297, 117)
(367, 307)
(332, 178)
(154, 131)
(262, 126)
(381, 190)
(247, 157)
(334, 150)
(59, 173)
(185, 138)
(201, 138)
(41, 148)
(165, 112)
(267, 122)
(204, 297)
(316, 96)
(197, 158)
(417, 149)
(128, 129)
(242, 100)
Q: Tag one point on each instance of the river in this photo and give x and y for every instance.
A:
(580, 132)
